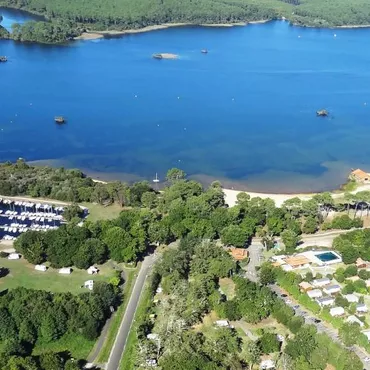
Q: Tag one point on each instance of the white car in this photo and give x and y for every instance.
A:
(367, 359)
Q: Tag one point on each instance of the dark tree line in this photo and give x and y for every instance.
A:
(19, 178)
(30, 316)
(73, 16)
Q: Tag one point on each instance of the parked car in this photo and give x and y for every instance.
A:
(284, 295)
(317, 321)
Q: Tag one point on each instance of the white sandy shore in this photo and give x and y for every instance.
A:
(230, 195)
(91, 35)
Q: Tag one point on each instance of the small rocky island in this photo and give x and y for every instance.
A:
(322, 113)
(3, 59)
(165, 56)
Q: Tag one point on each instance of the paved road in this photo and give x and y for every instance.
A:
(128, 318)
(255, 252)
(321, 328)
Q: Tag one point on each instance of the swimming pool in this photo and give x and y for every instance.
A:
(327, 256)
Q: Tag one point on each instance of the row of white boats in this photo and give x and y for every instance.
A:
(19, 228)
(32, 216)
(30, 205)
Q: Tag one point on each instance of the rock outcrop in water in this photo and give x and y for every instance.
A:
(322, 113)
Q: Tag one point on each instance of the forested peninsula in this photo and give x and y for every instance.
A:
(68, 18)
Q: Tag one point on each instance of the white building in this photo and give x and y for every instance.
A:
(267, 364)
(65, 270)
(315, 293)
(332, 289)
(318, 283)
(89, 284)
(92, 270)
(14, 256)
(40, 268)
(337, 311)
(361, 308)
(325, 301)
(222, 323)
(152, 336)
(354, 320)
(351, 298)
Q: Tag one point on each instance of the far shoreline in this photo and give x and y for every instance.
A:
(92, 35)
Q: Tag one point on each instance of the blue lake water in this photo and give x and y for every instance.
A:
(243, 113)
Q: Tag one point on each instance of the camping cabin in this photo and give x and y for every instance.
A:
(92, 270)
(222, 323)
(319, 283)
(65, 270)
(332, 289)
(14, 256)
(89, 284)
(337, 311)
(40, 268)
(316, 293)
(305, 287)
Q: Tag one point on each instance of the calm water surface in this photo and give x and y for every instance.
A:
(243, 113)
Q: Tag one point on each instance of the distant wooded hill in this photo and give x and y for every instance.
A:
(125, 14)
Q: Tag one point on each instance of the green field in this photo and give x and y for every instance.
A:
(76, 344)
(99, 212)
(23, 274)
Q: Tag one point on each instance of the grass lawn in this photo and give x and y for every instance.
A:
(129, 355)
(76, 344)
(99, 212)
(21, 273)
(228, 287)
(117, 318)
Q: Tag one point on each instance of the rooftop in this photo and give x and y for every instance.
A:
(360, 174)
(238, 253)
(297, 260)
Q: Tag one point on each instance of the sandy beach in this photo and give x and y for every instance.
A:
(99, 34)
(279, 199)
(89, 36)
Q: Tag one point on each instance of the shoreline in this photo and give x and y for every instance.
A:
(93, 35)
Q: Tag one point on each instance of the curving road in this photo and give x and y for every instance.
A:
(128, 318)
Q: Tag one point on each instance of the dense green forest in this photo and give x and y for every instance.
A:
(128, 14)
(190, 281)
(29, 317)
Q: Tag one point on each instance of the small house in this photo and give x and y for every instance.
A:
(65, 270)
(337, 311)
(367, 283)
(361, 264)
(325, 301)
(40, 268)
(332, 289)
(361, 308)
(159, 290)
(267, 364)
(222, 323)
(319, 283)
(351, 298)
(89, 284)
(354, 320)
(305, 287)
(239, 254)
(92, 270)
(14, 256)
(315, 293)
(359, 176)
